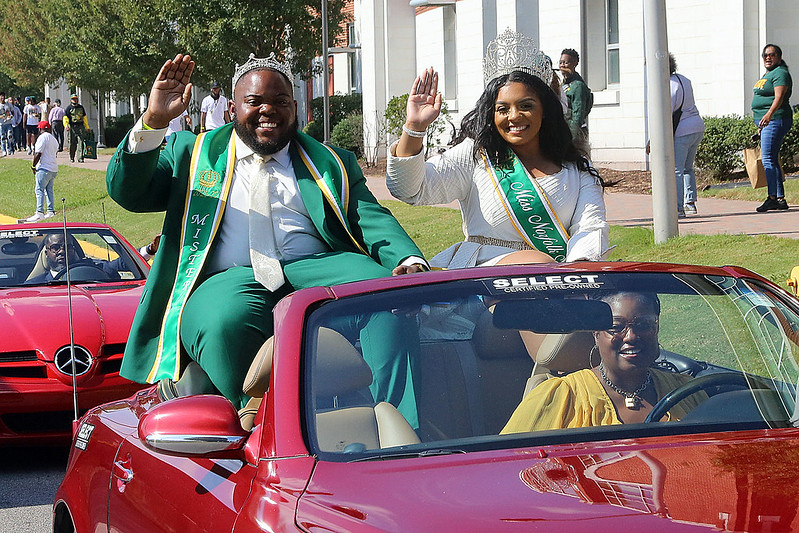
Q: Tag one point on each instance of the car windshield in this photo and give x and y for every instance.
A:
(544, 359)
(39, 257)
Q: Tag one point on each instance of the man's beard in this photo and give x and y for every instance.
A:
(264, 147)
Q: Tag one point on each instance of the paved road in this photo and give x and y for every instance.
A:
(29, 478)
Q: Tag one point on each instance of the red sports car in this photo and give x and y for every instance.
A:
(37, 359)
(575, 397)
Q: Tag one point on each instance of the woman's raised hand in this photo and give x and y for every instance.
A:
(171, 92)
(424, 101)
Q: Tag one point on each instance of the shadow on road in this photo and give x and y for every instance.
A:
(30, 476)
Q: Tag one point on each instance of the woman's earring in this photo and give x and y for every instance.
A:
(591, 356)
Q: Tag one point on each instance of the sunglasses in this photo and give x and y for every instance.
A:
(645, 325)
(57, 246)
(772, 54)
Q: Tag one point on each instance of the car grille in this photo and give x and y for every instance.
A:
(117, 348)
(39, 371)
(16, 357)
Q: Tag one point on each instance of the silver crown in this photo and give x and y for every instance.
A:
(514, 51)
(258, 63)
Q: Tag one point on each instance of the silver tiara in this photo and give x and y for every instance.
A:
(259, 63)
(514, 51)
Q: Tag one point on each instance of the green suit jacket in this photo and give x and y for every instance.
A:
(157, 181)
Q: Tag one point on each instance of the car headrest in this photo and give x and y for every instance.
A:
(490, 342)
(565, 352)
(256, 383)
(340, 369)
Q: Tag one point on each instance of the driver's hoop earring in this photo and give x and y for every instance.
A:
(591, 356)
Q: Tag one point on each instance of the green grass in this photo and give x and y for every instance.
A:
(755, 195)
(433, 228)
(86, 199)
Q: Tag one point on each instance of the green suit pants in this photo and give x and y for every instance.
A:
(229, 316)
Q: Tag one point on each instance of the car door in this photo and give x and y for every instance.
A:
(156, 492)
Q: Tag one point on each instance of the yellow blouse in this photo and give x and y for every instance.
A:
(579, 400)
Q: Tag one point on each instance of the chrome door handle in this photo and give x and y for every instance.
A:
(122, 470)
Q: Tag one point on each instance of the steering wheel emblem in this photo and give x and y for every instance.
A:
(63, 360)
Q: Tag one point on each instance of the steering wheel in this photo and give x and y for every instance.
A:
(84, 272)
(703, 383)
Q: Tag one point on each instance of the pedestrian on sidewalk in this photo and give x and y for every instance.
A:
(773, 117)
(44, 169)
(689, 128)
(56, 120)
(6, 125)
(76, 122)
(19, 126)
(32, 114)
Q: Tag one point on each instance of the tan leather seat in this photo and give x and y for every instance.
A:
(341, 371)
(256, 383)
(559, 354)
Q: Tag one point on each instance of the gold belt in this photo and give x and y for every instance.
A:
(516, 245)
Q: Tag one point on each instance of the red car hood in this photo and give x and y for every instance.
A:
(38, 318)
(746, 481)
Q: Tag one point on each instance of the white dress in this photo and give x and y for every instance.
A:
(576, 197)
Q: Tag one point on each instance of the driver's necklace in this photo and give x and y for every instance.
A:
(632, 400)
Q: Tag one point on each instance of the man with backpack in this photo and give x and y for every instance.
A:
(577, 93)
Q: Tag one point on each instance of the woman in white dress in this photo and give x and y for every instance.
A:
(523, 187)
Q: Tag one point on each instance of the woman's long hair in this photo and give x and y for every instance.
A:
(554, 137)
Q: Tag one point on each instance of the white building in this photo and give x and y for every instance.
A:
(717, 44)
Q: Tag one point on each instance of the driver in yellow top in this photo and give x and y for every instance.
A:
(623, 388)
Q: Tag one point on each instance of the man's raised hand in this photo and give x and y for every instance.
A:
(171, 92)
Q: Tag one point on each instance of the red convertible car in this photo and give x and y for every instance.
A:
(574, 397)
(37, 360)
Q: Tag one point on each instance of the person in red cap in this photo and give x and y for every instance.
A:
(44, 169)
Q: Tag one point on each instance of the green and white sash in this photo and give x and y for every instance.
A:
(210, 177)
(528, 208)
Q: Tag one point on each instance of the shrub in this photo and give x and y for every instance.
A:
(314, 129)
(116, 128)
(395, 119)
(348, 134)
(725, 137)
(341, 106)
(790, 146)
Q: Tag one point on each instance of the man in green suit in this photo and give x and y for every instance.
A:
(256, 188)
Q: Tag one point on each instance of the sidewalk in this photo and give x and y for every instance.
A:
(715, 215)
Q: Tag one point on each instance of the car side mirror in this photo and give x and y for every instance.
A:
(193, 426)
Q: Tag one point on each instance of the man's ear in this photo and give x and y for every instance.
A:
(231, 108)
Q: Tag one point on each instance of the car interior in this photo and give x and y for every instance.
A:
(23, 257)
(480, 355)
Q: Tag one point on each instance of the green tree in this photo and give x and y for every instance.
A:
(395, 118)
(220, 34)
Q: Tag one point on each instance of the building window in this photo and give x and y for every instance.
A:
(612, 22)
(599, 61)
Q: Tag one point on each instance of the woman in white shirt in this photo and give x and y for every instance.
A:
(525, 192)
(688, 133)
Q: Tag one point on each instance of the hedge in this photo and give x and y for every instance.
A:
(721, 151)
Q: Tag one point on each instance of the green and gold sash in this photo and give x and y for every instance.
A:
(528, 208)
(210, 177)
